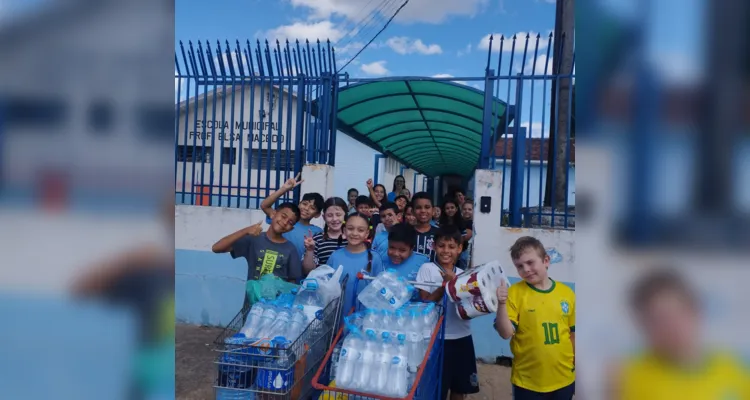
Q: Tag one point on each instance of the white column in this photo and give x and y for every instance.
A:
(318, 178)
(487, 183)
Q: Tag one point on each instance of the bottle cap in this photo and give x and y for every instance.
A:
(386, 335)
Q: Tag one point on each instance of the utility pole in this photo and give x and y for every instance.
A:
(561, 107)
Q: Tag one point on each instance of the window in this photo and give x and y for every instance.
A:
(34, 112)
(194, 153)
(259, 159)
(228, 155)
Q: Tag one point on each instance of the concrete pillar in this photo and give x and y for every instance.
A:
(318, 178)
(487, 183)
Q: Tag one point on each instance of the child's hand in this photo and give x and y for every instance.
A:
(254, 230)
(502, 292)
(309, 242)
(447, 275)
(370, 183)
(292, 183)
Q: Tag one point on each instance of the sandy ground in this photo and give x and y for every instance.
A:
(195, 370)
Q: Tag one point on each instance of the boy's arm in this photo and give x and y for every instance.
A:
(424, 276)
(267, 204)
(308, 259)
(503, 324)
(225, 244)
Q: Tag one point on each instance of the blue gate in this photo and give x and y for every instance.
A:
(244, 119)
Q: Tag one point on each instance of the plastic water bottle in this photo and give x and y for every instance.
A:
(372, 320)
(349, 358)
(253, 319)
(266, 320)
(399, 323)
(429, 319)
(398, 374)
(234, 394)
(414, 341)
(387, 321)
(383, 358)
(367, 362)
(310, 299)
(400, 293)
(280, 325)
(297, 323)
(378, 291)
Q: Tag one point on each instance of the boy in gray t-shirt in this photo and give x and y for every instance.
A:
(268, 253)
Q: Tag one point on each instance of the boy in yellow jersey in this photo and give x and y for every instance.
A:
(675, 364)
(538, 316)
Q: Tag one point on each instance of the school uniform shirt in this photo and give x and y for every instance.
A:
(353, 263)
(542, 349)
(392, 196)
(297, 235)
(720, 376)
(380, 244)
(426, 243)
(266, 257)
(325, 247)
(455, 327)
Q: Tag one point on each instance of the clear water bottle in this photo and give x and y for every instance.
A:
(253, 319)
(335, 361)
(311, 300)
(367, 362)
(414, 341)
(349, 358)
(398, 374)
(429, 320)
(372, 320)
(383, 358)
(400, 293)
(399, 322)
(280, 324)
(297, 323)
(266, 320)
(387, 321)
(234, 394)
(377, 292)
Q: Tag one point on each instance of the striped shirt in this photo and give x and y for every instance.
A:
(325, 247)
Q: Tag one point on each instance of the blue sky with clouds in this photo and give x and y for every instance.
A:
(427, 38)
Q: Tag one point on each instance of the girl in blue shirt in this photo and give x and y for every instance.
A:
(356, 256)
(399, 184)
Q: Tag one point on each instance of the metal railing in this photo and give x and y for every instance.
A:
(244, 118)
(537, 153)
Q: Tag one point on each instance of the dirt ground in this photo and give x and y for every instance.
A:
(195, 370)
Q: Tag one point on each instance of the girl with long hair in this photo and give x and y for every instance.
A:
(356, 256)
(319, 247)
(451, 215)
(399, 184)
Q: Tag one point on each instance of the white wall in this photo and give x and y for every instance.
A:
(354, 165)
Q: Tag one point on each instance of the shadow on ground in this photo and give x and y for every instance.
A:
(195, 369)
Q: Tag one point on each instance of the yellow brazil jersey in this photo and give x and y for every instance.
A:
(721, 377)
(542, 348)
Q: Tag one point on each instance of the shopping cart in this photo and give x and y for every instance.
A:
(427, 382)
(271, 370)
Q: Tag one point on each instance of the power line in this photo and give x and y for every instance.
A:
(376, 35)
(368, 24)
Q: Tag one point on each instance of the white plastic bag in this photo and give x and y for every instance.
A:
(328, 281)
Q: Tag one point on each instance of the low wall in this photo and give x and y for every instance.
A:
(209, 288)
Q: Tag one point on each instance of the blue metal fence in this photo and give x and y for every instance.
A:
(541, 142)
(244, 118)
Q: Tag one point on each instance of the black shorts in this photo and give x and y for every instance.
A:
(459, 367)
(565, 393)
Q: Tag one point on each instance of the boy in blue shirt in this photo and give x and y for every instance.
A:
(310, 207)
(390, 216)
(400, 255)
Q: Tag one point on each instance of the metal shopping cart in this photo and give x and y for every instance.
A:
(427, 382)
(268, 370)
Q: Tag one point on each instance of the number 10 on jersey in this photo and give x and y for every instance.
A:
(551, 333)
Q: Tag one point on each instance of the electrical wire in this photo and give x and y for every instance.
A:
(376, 35)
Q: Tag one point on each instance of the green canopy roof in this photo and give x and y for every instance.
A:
(434, 127)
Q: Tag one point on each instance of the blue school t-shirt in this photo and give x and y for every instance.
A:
(297, 235)
(392, 196)
(353, 263)
(380, 244)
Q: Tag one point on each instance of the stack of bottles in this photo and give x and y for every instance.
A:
(387, 291)
(383, 349)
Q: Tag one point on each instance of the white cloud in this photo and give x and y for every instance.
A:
(508, 45)
(536, 66)
(376, 68)
(535, 129)
(428, 11)
(406, 45)
(450, 76)
(323, 30)
(466, 50)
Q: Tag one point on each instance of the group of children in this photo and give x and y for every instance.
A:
(538, 315)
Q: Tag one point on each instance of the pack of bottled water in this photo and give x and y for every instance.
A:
(384, 349)
(386, 291)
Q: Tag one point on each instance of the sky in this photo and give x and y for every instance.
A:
(434, 38)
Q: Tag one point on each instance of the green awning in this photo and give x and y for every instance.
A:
(434, 127)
